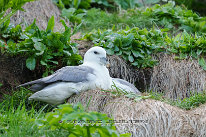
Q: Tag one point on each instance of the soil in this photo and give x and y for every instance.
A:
(13, 72)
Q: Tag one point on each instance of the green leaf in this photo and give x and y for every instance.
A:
(128, 39)
(130, 58)
(50, 25)
(43, 63)
(126, 135)
(67, 53)
(76, 28)
(137, 53)
(110, 51)
(68, 12)
(31, 63)
(202, 63)
(119, 53)
(40, 53)
(76, 3)
(199, 52)
(116, 49)
(135, 63)
(55, 62)
(39, 46)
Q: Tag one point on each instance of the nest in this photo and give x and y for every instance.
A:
(145, 118)
(177, 78)
(42, 11)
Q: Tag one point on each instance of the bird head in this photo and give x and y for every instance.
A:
(96, 55)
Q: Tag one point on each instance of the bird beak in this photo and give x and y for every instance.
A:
(104, 61)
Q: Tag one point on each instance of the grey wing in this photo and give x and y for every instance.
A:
(124, 82)
(70, 74)
(66, 74)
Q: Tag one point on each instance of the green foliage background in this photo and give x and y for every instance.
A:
(124, 28)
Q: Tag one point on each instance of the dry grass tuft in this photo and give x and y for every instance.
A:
(42, 10)
(177, 78)
(198, 120)
(119, 68)
(153, 118)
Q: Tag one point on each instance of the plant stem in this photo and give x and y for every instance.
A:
(88, 132)
(8, 16)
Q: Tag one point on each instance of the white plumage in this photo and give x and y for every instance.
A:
(92, 74)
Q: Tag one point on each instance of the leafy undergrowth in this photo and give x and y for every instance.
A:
(168, 16)
(138, 45)
(44, 48)
(171, 16)
(134, 45)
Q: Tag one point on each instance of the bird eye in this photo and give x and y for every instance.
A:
(95, 52)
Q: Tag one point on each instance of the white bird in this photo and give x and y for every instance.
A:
(125, 86)
(92, 74)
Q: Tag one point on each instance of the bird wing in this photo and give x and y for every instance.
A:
(66, 74)
(124, 82)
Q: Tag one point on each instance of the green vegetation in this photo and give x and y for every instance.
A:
(83, 10)
(171, 16)
(77, 122)
(14, 5)
(41, 47)
(17, 116)
(97, 19)
(106, 4)
(137, 46)
(195, 5)
(187, 103)
(168, 16)
(134, 45)
(23, 118)
(135, 34)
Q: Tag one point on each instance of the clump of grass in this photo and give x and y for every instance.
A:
(187, 103)
(18, 116)
(97, 19)
(193, 101)
(12, 101)
(119, 92)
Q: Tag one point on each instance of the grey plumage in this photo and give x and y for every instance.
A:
(66, 74)
(125, 83)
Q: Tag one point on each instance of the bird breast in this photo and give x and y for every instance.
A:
(103, 79)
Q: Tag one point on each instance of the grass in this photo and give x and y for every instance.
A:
(18, 117)
(187, 103)
(97, 19)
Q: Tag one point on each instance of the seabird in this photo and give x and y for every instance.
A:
(92, 74)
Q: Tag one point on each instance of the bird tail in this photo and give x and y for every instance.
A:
(29, 83)
(30, 98)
